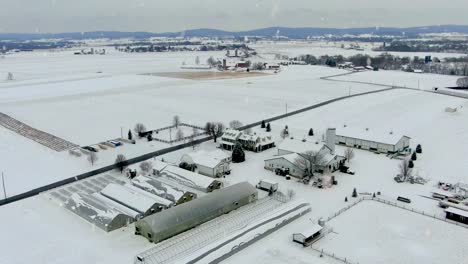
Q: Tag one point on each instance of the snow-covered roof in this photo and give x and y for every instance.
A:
(300, 146)
(457, 211)
(116, 206)
(97, 212)
(188, 178)
(176, 184)
(386, 137)
(159, 165)
(443, 192)
(230, 133)
(184, 214)
(158, 188)
(210, 159)
(292, 157)
(133, 197)
(311, 230)
(327, 158)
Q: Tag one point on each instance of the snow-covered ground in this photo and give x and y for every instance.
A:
(90, 110)
(95, 109)
(424, 81)
(372, 232)
(319, 48)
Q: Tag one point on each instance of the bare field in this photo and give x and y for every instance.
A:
(208, 75)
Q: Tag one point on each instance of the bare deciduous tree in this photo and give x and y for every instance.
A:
(212, 62)
(404, 169)
(291, 194)
(92, 157)
(10, 76)
(309, 160)
(214, 129)
(121, 163)
(139, 128)
(146, 166)
(176, 121)
(462, 82)
(349, 154)
(179, 134)
(235, 124)
(193, 136)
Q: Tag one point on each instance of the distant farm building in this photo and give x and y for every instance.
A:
(213, 163)
(183, 217)
(170, 173)
(256, 142)
(287, 161)
(368, 139)
(172, 193)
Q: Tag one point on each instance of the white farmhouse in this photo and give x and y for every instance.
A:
(290, 150)
(373, 140)
(214, 163)
(254, 142)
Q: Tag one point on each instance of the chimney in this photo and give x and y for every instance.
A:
(330, 140)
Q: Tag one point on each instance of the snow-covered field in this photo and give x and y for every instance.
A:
(319, 48)
(78, 106)
(424, 81)
(90, 110)
(372, 232)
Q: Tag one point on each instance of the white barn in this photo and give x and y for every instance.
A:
(373, 140)
(287, 161)
(213, 163)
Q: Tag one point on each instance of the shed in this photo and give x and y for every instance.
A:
(135, 198)
(97, 212)
(164, 190)
(183, 217)
(189, 179)
(287, 161)
(308, 236)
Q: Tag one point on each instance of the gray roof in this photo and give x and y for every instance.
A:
(201, 206)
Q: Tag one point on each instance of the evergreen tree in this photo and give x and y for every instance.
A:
(414, 156)
(149, 137)
(418, 149)
(268, 127)
(311, 132)
(130, 136)
(410, 164)
(238, 154)
(346, 199)
(354, 193)
(263, 124)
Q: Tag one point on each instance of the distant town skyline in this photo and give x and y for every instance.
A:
(53, 16)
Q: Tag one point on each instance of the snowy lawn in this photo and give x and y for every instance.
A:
(373, 232)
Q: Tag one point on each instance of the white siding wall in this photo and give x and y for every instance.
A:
(283, 163)
(205, 171)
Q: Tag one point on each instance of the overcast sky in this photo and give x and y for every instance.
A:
(176, 15)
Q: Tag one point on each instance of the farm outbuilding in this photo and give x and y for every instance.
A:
(287, 161)
(187, 178)
(97, 212)
(210, 163)
(368, 139)
(183, 217)
(308, 236)
(164, 190)
(136, 199)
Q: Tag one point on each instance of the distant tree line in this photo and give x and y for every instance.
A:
(188, 46)
(445, 45)
(448, 66)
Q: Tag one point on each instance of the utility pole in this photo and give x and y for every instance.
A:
(121, 132)
(3, 182)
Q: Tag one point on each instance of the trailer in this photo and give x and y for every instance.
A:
(267, 186)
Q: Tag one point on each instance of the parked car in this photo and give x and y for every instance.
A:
(282, 171)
